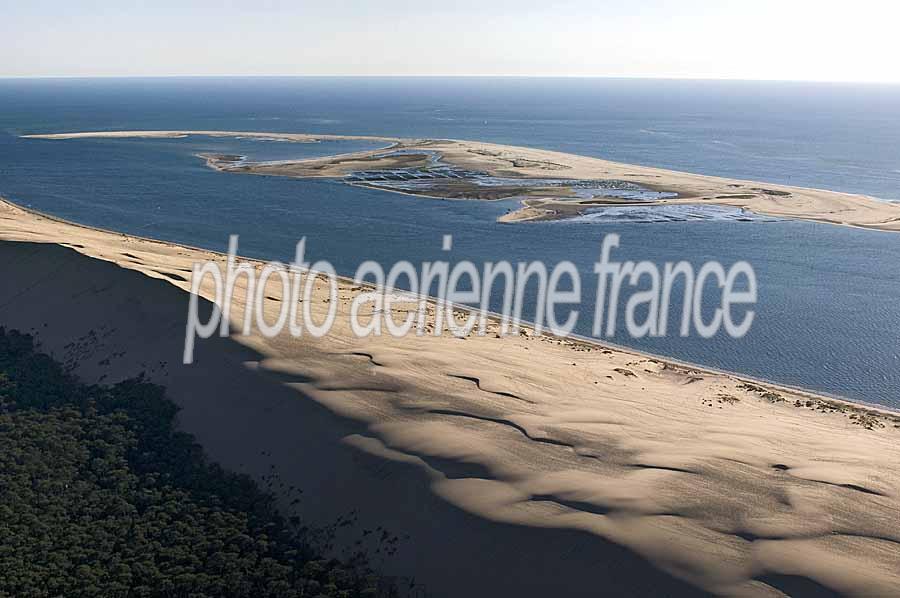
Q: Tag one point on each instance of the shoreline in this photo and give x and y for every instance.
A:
(492, 316)
(768, 199)
(611, 466)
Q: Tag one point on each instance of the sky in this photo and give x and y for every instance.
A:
(721, 39)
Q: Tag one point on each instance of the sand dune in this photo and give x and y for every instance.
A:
(502, 160)
(526, 466)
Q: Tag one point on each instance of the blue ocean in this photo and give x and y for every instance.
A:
(828, 314)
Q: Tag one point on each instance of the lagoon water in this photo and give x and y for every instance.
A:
(829, 297)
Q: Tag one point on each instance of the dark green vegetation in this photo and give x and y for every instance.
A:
(101, 496)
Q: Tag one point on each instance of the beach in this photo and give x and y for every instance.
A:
(781, 201)
(526, 465)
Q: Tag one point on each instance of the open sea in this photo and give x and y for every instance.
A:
(828, 316)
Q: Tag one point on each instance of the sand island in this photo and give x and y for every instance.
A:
(550, 185)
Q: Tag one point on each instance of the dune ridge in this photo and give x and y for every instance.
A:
(526, 465)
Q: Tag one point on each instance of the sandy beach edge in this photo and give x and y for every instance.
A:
(527, 326)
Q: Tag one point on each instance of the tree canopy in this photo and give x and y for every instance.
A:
(100, 495)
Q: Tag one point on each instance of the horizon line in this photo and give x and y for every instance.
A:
(450, 76)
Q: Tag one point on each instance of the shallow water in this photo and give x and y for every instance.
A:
(422, 180)
(829, 297)
(668, 213)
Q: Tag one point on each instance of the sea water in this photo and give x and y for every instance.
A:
(829, 297)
